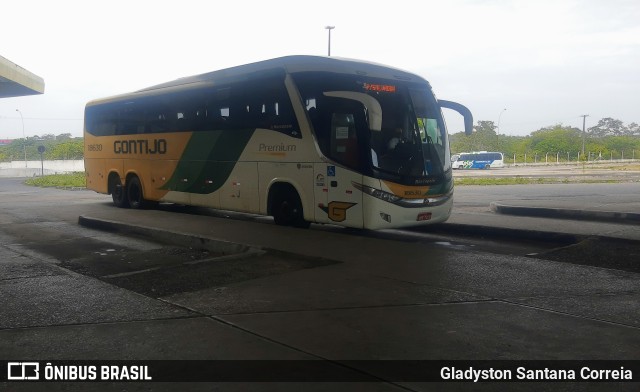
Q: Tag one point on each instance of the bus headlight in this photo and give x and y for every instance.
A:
(431, 201)
(378, 193)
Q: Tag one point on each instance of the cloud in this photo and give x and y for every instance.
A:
(544, 60)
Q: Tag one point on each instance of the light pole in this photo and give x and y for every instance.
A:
(584, 134)
(329, 28)
(24, 139)
(499, 118)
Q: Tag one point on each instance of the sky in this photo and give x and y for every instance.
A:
(546, 62)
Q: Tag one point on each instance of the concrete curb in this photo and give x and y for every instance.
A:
(227, 248)
(480, 231)
(166, 236)
(566, 213)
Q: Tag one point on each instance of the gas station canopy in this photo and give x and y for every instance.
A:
(16, 81)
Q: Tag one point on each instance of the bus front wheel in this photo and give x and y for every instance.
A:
(286, 209)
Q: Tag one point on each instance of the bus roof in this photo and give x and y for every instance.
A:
(294, 64)
(291, 64)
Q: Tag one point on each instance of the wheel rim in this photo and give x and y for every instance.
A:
(119, 195)
(287, 209)
(286, 212)
(134, 193)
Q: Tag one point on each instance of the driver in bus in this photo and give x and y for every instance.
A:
(396, 139)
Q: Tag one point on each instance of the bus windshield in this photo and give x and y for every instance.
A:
(385, 128)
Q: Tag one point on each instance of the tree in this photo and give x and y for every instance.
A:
(553, 140)
(619, 144)
(556, 139)
(484, 137)
(73, 149)
(485, 127)
(608, 127)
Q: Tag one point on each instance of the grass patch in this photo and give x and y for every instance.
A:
(497, 181)
(69, 180)
(528, 180)
(625, 168)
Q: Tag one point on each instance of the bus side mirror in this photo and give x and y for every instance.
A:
(463, 110)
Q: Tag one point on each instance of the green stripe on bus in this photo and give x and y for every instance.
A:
(211, 157)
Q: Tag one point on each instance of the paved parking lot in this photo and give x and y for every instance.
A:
(317, 294)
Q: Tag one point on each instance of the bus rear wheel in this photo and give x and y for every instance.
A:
(135, 196)
(286, 209)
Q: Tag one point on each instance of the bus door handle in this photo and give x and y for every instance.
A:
(334, 184)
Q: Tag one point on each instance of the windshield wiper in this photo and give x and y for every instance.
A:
(436, 163)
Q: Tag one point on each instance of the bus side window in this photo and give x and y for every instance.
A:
(344, 140)
(199, 121)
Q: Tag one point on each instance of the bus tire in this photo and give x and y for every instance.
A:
(135, 197)
(118, 192)
(487, 167)
(286, 208)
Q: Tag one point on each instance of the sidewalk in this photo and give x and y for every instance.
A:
(595, 210)
(543, 209)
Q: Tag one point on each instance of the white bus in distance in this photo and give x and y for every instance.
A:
(477, 160)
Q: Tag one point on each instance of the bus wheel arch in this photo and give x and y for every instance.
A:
(117, 190)
(285, 205)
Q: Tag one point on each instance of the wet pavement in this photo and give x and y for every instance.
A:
(321, 294)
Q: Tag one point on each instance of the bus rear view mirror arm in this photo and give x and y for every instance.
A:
(463, 110)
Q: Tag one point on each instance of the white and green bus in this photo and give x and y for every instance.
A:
(301, 138)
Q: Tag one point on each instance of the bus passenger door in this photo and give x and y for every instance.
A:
(344, 201)
(320, 193)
